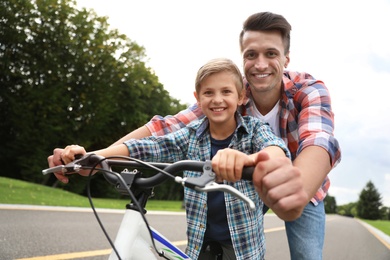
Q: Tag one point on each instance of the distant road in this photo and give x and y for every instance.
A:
(65, 233)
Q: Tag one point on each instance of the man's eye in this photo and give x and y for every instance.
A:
(250, 55)
(272, 54)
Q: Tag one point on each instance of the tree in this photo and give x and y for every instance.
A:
(348, 210)
(385, 213)
(369, 204)
(330, 204)
(66, 78)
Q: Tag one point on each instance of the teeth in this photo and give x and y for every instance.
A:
(217, 109)
(261, 75)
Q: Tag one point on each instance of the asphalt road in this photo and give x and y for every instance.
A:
(36, 233)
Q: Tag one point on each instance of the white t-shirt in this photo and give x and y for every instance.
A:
(272, 118)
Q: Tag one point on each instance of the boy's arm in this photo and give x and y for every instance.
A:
(55, 159)
(272, 151)
(68, 155)
(156, 126)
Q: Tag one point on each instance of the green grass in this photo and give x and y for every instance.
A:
(20, 192)
(383, 225)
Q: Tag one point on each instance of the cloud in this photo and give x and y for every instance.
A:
(379, 63)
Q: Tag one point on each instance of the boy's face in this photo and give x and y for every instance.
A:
(264, 60)
(218, 98)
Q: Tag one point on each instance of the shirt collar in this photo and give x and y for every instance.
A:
(201, 126)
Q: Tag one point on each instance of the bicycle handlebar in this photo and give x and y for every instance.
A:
(203, 183)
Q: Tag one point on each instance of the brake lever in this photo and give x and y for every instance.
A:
(206, 182)
(194, 182)
(71, 167)
(213, 186)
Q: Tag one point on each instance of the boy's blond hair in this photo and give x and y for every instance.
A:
(219, 65)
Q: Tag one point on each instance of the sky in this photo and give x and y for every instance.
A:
(343, 43)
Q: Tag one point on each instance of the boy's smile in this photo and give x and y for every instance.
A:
(218, 98)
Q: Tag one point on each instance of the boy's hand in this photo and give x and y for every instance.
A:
(55, 160)
(280, 186)
(64, 156)
(228, 164)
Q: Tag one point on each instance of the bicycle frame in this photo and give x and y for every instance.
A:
(133, 240)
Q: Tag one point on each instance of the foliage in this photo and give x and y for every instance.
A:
(348, 210)
(330, 204)
(369, 204)
(66, 78)
(385, 213)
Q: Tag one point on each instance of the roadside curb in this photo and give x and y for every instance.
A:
(385, 239)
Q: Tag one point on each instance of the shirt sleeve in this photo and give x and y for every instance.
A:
(159, 125)
(266, 136)
(168, 148)
(316, 119)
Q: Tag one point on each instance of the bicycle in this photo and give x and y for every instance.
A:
(136, 239)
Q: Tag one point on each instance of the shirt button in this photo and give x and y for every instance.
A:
(201, 226)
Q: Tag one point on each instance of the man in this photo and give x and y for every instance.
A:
(298, 108)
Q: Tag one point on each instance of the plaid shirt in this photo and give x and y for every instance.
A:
(193, 143)
(305, 119)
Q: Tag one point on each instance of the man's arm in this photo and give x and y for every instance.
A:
(139, 133)
(159, 125)
(318, 150)
(314, 164)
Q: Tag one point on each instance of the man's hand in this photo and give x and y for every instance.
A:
(280, 186)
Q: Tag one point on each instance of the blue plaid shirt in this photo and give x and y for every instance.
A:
(193, 143)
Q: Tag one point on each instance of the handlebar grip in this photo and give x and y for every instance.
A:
(78, 156)
(247, 173)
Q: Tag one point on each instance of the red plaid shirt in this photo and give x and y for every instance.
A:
(305, 117)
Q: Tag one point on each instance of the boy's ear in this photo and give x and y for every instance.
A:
(241, 97)
(196, 97)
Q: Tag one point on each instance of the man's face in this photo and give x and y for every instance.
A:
(264, 60)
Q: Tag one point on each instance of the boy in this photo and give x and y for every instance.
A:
(215, 221)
